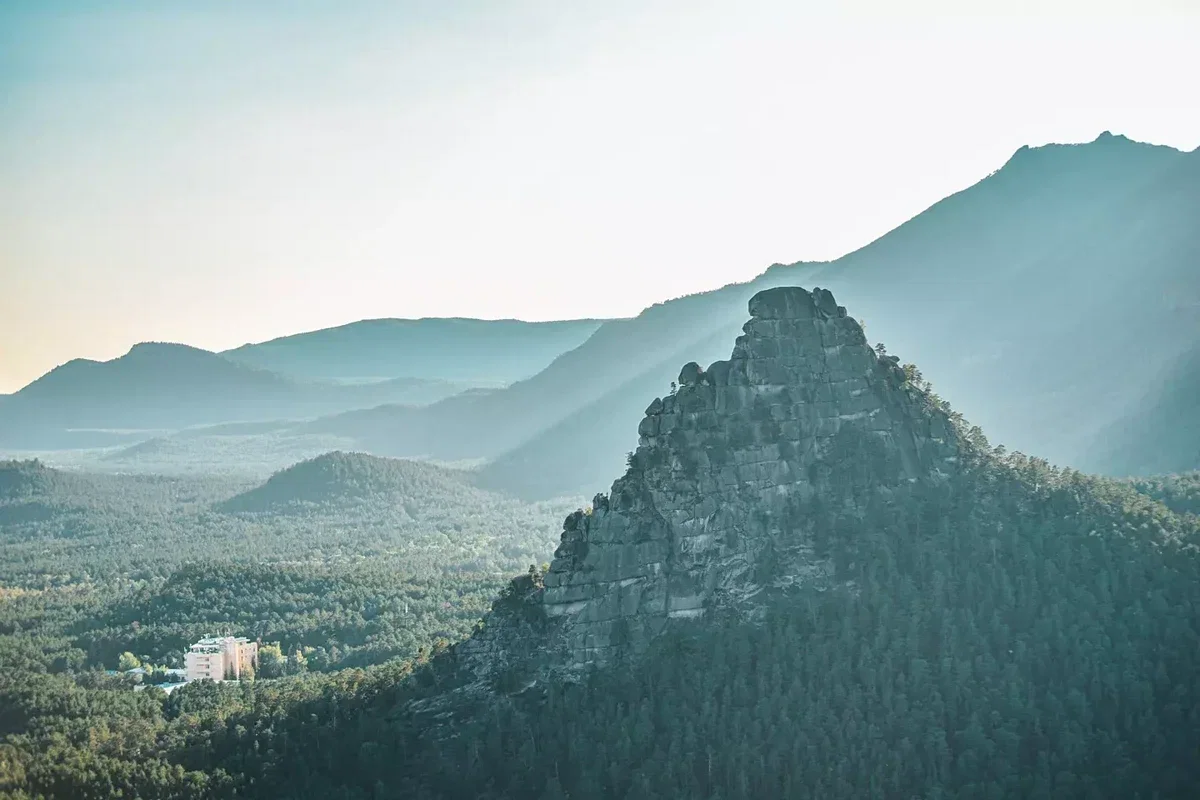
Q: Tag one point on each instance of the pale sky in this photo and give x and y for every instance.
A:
(221, 172)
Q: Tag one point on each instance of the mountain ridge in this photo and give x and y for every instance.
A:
(464, 349)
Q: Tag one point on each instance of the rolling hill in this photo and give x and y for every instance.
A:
(1041, 301)
(471, 351)
(339, 478)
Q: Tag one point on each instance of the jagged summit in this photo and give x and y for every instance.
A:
(1094, 154)
(712, 510)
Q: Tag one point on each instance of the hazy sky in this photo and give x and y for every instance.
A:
(222, 172)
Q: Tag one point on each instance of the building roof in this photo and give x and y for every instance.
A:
(220, 640)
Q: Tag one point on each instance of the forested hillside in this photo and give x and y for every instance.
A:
(340, 479)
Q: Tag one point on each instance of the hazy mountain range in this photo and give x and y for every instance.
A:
(1055, 303)
(162, 387)
(171, 386)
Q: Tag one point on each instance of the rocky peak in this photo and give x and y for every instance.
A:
(712, 512)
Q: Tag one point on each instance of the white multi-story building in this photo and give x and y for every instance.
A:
(221, 658)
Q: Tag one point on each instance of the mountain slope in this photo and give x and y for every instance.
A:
(472, 351)
(1070, 259)
(543, 468)
(1017, 295)
(1161, 432)
(169, 386)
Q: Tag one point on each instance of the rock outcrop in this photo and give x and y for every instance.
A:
(712, 510)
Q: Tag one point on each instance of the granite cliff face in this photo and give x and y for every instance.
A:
(714, 511)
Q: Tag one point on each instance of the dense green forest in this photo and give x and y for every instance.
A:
(354, 558)
(1022, 631)
(62, 527)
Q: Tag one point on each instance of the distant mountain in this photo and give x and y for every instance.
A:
(159, 386)
(1041, 302)
(340, 477)
(473, 351)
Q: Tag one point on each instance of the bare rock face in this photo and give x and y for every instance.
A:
(712, 511)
